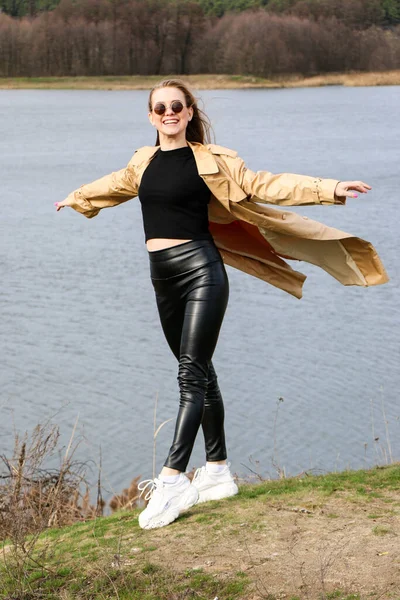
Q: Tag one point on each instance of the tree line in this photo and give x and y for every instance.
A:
(355, 13)
(157, 37)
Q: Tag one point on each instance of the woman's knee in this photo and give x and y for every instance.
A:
(192, 378)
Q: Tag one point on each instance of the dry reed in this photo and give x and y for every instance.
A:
(33, 497)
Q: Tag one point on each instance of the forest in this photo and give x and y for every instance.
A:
(360, 13)
(155, 37)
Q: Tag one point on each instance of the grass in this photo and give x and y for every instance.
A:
(212, 81)
(381, 530)
(362, 482)
(111, 557)
(339, 595)
(146, 581)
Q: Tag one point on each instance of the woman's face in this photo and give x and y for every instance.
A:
(170, 124)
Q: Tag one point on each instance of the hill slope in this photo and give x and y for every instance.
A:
(330, 536)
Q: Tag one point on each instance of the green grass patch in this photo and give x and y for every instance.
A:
(340, 595)
(209, 517)
(152, 583)
(150, 569)
(381, 530)
(101, 578)
(363, 482)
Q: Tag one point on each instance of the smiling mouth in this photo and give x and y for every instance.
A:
(171, 122)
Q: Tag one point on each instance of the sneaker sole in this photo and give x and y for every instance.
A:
(189, 499)
(218, 492)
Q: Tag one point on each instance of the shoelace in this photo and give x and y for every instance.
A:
(154, 483)
(198, 474)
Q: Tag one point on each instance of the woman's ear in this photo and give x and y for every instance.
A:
(150, 115)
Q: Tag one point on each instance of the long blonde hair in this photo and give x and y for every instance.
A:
(199, 128)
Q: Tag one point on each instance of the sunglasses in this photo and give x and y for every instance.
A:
(176, 107)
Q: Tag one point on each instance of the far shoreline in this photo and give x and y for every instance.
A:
(203, 82)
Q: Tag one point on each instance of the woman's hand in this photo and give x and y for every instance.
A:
(59, 205)
(343, 188)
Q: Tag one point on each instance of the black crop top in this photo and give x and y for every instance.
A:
(174, 197)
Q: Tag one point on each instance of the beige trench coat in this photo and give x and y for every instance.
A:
(253, 238)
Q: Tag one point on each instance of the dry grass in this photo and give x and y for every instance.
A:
(128, 498)
(32, 497)
(348, 79)
(202, 82)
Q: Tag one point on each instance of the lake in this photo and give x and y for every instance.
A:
(80, 335)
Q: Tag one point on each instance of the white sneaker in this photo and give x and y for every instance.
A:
(166, 501)
(214, 486)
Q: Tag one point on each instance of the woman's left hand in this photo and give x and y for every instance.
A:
(343, 188)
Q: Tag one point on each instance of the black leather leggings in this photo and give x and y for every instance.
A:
(192, 290)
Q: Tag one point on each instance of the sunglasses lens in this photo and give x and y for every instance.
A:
(177, 106)
(159, 108)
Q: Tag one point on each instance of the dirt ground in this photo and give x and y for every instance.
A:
(305, 546)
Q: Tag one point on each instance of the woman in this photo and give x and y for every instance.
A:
(200, 209)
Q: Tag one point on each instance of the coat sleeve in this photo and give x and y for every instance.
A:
(285, 189)
(110, 190)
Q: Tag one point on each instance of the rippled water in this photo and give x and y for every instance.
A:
(79, 330)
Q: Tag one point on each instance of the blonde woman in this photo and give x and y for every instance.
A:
(201, 209)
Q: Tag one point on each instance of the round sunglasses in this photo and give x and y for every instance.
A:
(176, 107)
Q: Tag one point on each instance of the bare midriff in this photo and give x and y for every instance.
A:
(161, 243)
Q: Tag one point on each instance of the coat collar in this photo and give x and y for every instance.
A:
(205, 161)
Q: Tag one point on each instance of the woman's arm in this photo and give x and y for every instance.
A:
(293, 190)
(110, 190)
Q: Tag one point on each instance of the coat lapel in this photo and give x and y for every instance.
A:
(205, 161)
(220, 183)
